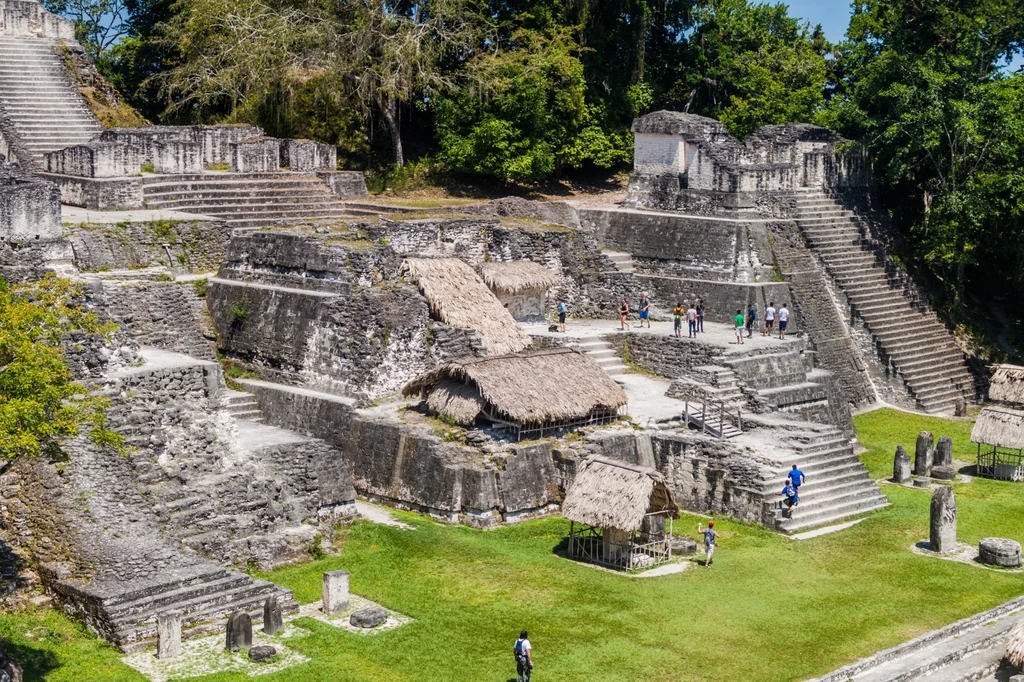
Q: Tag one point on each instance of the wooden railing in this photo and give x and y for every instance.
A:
(715, 412)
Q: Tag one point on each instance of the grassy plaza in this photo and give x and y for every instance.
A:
(771, 608)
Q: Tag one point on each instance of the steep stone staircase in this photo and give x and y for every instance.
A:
(46, 112)
(906, 331)
(838, 485)
(246, 200)
(242, 405)
(603, 353)
(205, 594)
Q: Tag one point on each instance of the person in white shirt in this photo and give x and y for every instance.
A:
(769, 320)
(691, 320)
(783, 320)
(524, 657)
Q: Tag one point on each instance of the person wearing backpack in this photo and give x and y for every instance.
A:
(563, 309)
(792, 499)
(524, 657)
(710, 536)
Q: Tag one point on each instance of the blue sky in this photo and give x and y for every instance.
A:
(834, 17)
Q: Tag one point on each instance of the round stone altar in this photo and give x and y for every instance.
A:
(999, 552)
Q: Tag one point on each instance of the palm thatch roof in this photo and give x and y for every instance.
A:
(516, 276)
(459, 297)
(999, 426)
(1007, 384)
(546, 386)
(610, 494)
(1015, 645)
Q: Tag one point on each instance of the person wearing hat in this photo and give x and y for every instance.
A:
(710, 535)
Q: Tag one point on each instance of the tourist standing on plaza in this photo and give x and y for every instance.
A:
(796, 478)
(710, 535)
(739, 326)
(783, 321)
(769, 319)
(677, 319)
(524, 657)
(563, 310)
(623, 314)
(700, 315)
(792, 498)
(691, 322)
(644, 311)
(751, 319)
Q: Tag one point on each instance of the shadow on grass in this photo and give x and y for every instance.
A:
(35, 663)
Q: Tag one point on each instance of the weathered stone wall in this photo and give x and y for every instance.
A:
(29, 208)
(28, 18)
(184, 246)
(99, 194)
(665, 356)
(412, 468)
(167, 315)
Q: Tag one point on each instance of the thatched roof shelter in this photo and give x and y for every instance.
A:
(547, 386)
(459, 297)
(517, 276)
(1007, 384)
(999, 426)
(607, 493)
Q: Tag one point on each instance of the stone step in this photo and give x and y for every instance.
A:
(256, 190)
(249, 415)
(801, 523)
(816, 486)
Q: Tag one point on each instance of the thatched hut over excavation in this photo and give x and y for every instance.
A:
(457, 296)
(528, 394)
(522, 285)
(999, 433)
(617, 513)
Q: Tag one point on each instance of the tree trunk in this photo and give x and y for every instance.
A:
(391, 116)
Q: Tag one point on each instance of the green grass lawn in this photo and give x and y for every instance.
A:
(769, 609)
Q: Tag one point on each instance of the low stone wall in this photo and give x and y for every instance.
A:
(408, 467)
(184, 246)
(345, 184)
(663, 355)
(99, 194)
(28, 18)
(29, 208)
(167, 315)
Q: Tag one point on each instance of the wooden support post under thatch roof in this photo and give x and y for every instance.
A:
(544, 388)
(459, 297)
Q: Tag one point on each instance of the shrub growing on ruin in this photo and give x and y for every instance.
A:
(40, 402)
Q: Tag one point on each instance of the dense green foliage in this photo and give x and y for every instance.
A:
(40, 403)
(471, 592)
(923, 86)
(529, 89)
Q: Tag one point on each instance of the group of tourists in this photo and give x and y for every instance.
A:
(694, 315)
(771, 313)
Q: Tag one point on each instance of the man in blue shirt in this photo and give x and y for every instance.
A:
(792, 498)
(710, 536)
(795, 478)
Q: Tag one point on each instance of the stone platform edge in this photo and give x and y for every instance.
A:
(848, 672)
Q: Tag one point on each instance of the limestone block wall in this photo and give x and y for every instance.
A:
(28, 18)
(213, 143)
(257, 155)
(99, 194)
(659, 153)
(183, 246)
(414, 469)
(307, 155)
(165, 315)
(177, 157)
(95, 160)
(345, 184)
(29, 208)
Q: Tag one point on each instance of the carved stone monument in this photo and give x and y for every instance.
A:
(923, 454)
(944, 452)
(273, 620)
(901, 465)
(943, 520)
(335, 594)
(168, 634)
(258, 654)
(239, 631)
